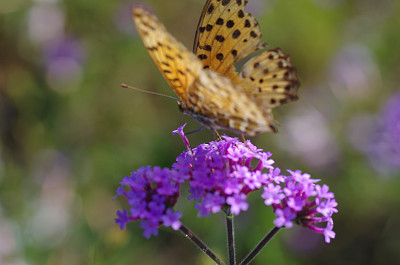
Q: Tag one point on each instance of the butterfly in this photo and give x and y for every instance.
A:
(206, 81)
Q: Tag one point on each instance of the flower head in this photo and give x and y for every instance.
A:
(221, 173)
(151, 193)
(298, 199)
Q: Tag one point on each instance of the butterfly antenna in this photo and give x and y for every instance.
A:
(148, 92)
(245, 142)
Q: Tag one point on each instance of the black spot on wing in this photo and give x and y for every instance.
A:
(230, 24)
(210, 9)
(234, 53)
(202, 56)
(219, 21)
(220, 38)
(236, 34)
(225, 2)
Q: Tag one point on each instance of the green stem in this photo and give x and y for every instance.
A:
(230, 231)
(259, 246)
(203, 247)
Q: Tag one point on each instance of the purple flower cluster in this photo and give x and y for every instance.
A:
(298, 199)
(220, 175)
(151, 194)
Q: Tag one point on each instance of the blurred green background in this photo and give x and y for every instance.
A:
(69, 132)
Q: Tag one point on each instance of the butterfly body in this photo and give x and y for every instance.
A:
(206, 82)
(224, 106)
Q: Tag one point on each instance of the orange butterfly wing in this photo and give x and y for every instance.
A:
(226, 34)
(206, 95)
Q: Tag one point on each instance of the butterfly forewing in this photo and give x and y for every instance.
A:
(176, 63)
(225, 34)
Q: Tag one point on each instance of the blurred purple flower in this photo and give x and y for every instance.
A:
(353, 72)
(123, 19)
(308, 136)
(45, 22)
(391, 119)
(257, 7)
(384, 147)
(66, 47)
(63, 61)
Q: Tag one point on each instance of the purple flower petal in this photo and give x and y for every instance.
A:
(272, 194)
(284, 218)
(171, 218)
(150, 228)
(237, 203)
(182, 134)
(328, 232)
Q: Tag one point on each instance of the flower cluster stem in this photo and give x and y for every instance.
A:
(259, 246)
(203, 247)
(230, 231)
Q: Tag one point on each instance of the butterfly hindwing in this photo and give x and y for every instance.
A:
(220, 104)
(270, 78)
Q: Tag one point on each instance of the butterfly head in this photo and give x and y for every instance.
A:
(182, 107)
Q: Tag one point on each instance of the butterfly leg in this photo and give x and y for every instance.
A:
(181, 120)
(245, 142)
(217, 134)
